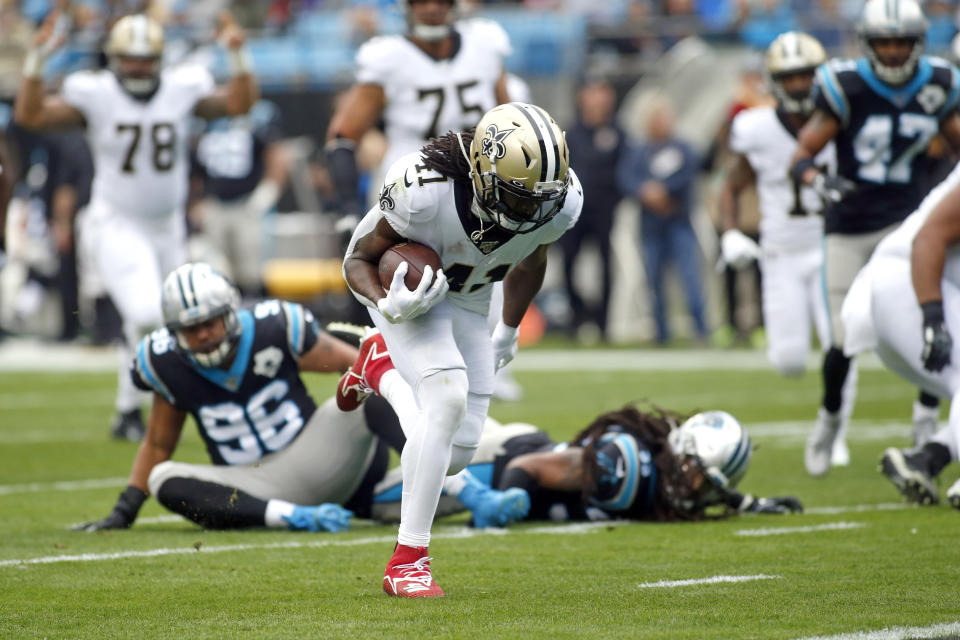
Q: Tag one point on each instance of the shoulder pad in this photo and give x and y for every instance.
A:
(191, 76)
(743, 125)
(831, 92)
(144, 370)
(376, 59)
(489, 32)
(406, 197)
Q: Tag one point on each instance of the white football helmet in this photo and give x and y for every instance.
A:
(194, 293)
(893, 19)
(136, 37)
(519, 164)
(719, 441)
(430, 32)
(793, 52)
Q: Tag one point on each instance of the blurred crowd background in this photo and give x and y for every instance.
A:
(615, 73)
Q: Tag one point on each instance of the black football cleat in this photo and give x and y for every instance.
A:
(908, 472)
(128, 425)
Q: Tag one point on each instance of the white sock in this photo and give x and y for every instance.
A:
(395, 390)
(276, 510)
(922, 412)
(454, 484)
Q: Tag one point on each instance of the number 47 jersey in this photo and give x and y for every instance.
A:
(884, 132)
(256, 406)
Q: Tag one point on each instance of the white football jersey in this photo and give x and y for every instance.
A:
(425, 207)
(428, 97)
(789, 214)
(140, 147)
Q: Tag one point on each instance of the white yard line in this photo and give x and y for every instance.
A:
(933, 632)
(449, 533)
(711, 580)
(779, 531)
(860, 508)
(69, 485)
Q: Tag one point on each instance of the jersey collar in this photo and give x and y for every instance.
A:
(454, 50)
(231, 379)
(493, 237)
(902, 95)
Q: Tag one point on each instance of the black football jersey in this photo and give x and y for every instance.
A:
(884, 132)
(256, 406)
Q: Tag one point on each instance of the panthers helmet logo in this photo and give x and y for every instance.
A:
(492, 144)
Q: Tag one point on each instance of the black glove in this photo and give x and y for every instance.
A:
(937, 343)
(776, 505)
(123, 514)
(832, 188)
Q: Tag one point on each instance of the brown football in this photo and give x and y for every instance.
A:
(416, 255)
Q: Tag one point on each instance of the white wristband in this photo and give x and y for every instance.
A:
(34, 63)
(239, 61)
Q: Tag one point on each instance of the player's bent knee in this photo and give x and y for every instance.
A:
(443, 397)
(160, 474)
(460, 457)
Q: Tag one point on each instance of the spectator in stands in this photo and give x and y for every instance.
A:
(596, 142)
(240, 166)
(660, 174)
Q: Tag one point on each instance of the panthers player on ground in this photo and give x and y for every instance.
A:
(627, 464)
(902, 305)
(442, 75)
(881, 111)
(237, 372)
(489, 203)
(762, 142)
(137, 117)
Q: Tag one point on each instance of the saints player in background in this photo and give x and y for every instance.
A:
(762, 143)
(881, 111)
(275, 455)
(442, 75)
(489, 203)
(137, 117)
(902, 306)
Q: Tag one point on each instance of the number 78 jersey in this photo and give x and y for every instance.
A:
(139, 147)
(884, 132)
(426, 207)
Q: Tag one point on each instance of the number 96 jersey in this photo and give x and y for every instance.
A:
(884, 132)
(423, 206)
(426, 97)
(257, 406)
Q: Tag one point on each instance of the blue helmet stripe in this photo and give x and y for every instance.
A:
(628, 489)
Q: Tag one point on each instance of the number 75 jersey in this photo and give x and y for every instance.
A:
(884, 133)
(259, 404)
(426, 97)
(139, 147)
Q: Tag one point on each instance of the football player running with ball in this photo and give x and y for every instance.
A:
(881, 111)
(137, 117)
(489, 203)
(763, 140)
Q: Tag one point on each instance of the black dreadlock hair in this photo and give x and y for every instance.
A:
(680, 480)
(443, 155)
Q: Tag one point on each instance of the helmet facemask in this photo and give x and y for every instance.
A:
(515, 208)
(194, 294)
(895, 74)
(138, 84)
(719, 442)
(899, 20)
(429, 32)
(134, 51)
(795, 102)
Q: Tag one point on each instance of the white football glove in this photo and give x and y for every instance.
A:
(402, 304)
(504, 344)
(737, 249)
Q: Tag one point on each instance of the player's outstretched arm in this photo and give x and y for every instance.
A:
(820, 129)
(33, 108)
(328, 354)
(242, 91)
(163, 434)
(549, 470)
(356, 113)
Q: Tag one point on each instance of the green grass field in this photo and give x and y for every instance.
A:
(854, 562)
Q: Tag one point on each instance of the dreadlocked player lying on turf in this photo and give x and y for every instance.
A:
(628, 463)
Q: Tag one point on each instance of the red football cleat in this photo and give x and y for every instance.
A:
(363, 378)
(408, 574)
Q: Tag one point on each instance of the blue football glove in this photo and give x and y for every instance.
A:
(333, 518)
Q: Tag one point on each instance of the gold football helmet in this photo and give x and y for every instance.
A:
(793, 52)
(134, 50)
(519, 164)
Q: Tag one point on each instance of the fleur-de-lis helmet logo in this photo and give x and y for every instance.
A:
(492, 143)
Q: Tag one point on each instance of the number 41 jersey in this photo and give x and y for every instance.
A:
(884, 130)
(258, 405)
